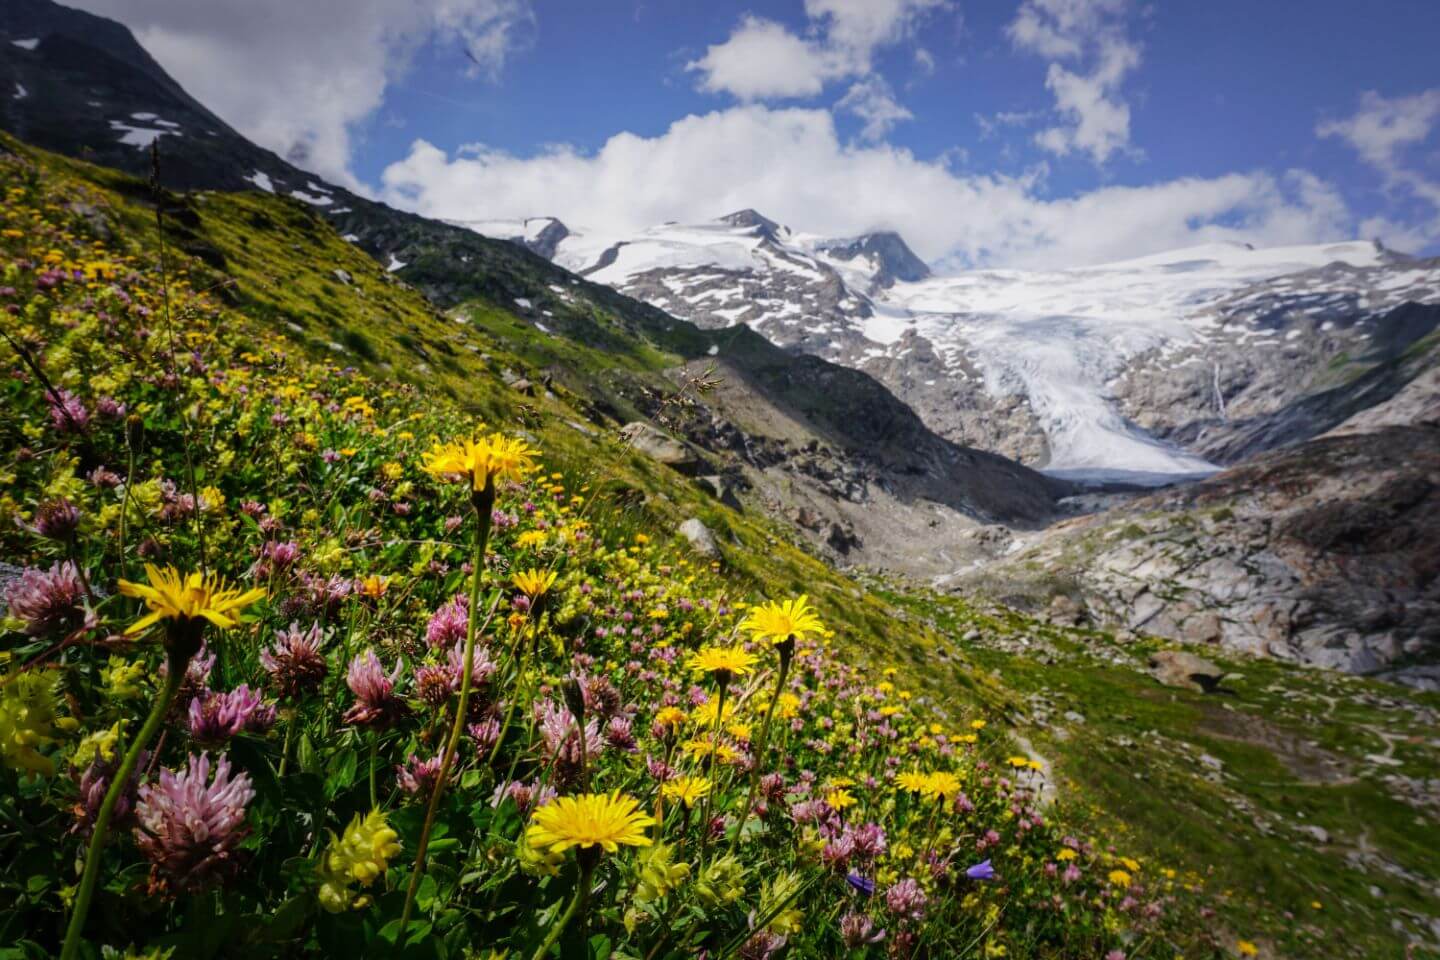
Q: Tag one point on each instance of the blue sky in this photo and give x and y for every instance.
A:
(990, 132)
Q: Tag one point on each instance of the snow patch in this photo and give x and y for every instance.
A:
(138, 137)
(20, 92)
(315, 199)
(262, 181)
(29, 43)
(395, 264)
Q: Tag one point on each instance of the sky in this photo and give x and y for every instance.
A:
(989, 133)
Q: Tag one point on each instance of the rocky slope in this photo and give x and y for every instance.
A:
(1327, 553)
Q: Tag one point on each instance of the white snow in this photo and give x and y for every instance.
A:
(30, 43)
(154, 119)
(316, 199)
(350, 238)
(262, 181)
(395, 264)
(138, 137)
(523, 303)
(20, 92)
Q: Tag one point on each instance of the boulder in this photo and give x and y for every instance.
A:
(702, 541)
(661, 447)
(716, 485)
(1180, 668)
(343, 276)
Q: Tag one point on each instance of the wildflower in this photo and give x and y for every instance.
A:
(48, 601)
(777, 901)
(1246, 949)
(659, 874)
(294, 663)
(862, 884)
(840, 799)
(417, 776)
(372, 586)
(360, 855)
(721, 882)
(687, 790)
(57, 520)
(185, 600)
(977, 724)
(1118, 878)
(941, 785)
(190, 825)
(67, 412)
(448, 625)
(593, 819)
(91, 788)
(723, 662)
(906, 900)
(376, 706)
(29, 720)
(981, 871)
(534, 583)
(786, 620)
(857, 931)
(481, 461)
(913, 781)
(1066, 853)
(216, 717)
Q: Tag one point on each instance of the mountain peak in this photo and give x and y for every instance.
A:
(752, 218)
(893, 257)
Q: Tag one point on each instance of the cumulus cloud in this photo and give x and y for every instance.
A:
(1384, 132)
(297, 76)
(791, 165)
(874, 103)
(762, 59)
(1090, 54)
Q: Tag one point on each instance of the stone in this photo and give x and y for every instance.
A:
(343, 276)
(702, 541)
(716, 485)
(1180, 668)
(523, 386)
(660, 447)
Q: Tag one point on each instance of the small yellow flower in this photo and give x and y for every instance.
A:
(688, 790)
(1246, 949)
(840, 799)
(943, 785)
(1119, 878)
(171, 595)
(670, 717)
(787, 620)
(722, 661)
(1066, 854)
(593, 819)
(977, 724)
(913, 781)
(1018, 762)
(374, 586)
(534, 583)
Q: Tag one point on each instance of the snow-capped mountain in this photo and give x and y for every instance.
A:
(1146, 369)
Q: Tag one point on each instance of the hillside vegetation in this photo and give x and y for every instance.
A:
(523, 714)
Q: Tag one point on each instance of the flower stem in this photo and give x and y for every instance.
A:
(173, 679)
(714, 779)
(483, 501)
(577, 906)
(760, 747)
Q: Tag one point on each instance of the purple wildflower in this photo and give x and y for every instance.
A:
(906, 899)
(295, 664)
(857, 931)
(48, 601)
(447, 626)
(376, 704)
(67, 413)
(980, 871)
(418, 776)
(216, 717)
(190, 825)
(863, 884)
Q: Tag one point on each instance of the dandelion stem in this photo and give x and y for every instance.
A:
(577, 906)
(173, 679)
(760, 748)
(484, 502)
(714, 746)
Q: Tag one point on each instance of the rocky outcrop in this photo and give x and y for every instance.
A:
(1326, 553)
(1181, 668)
(701, 540)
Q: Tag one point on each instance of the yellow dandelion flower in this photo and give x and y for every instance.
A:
(1119, 878)
(670, 717)
(1066, 854)
(778, 622)
(496, 457)
(913, 781)
(1018, 762)
(726, 661)
(840, 799)
(1245, 948)
(688, 790)
(171, 595)
(374, 586)
(534, 583)
(977, 724)
(942, 785)
(701, 747)
(594, 819)
(1130, 864)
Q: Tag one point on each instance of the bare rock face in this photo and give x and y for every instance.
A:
(702, 541)
(1180, 668)
(660, 447)
(1326, 553)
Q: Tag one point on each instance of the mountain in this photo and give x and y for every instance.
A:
(1147, 370)
(849, 467)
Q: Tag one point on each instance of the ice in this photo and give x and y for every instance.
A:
(262, 181)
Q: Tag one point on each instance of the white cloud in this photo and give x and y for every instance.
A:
(1382, 131)
(1090, 34)
(762, 59)
(296, 76)
(791, 165)
(873, 102)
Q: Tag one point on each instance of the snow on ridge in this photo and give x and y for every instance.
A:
(314, 199)
(262, 181)
(139, 137)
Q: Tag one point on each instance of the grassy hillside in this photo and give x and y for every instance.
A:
(249, 410)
